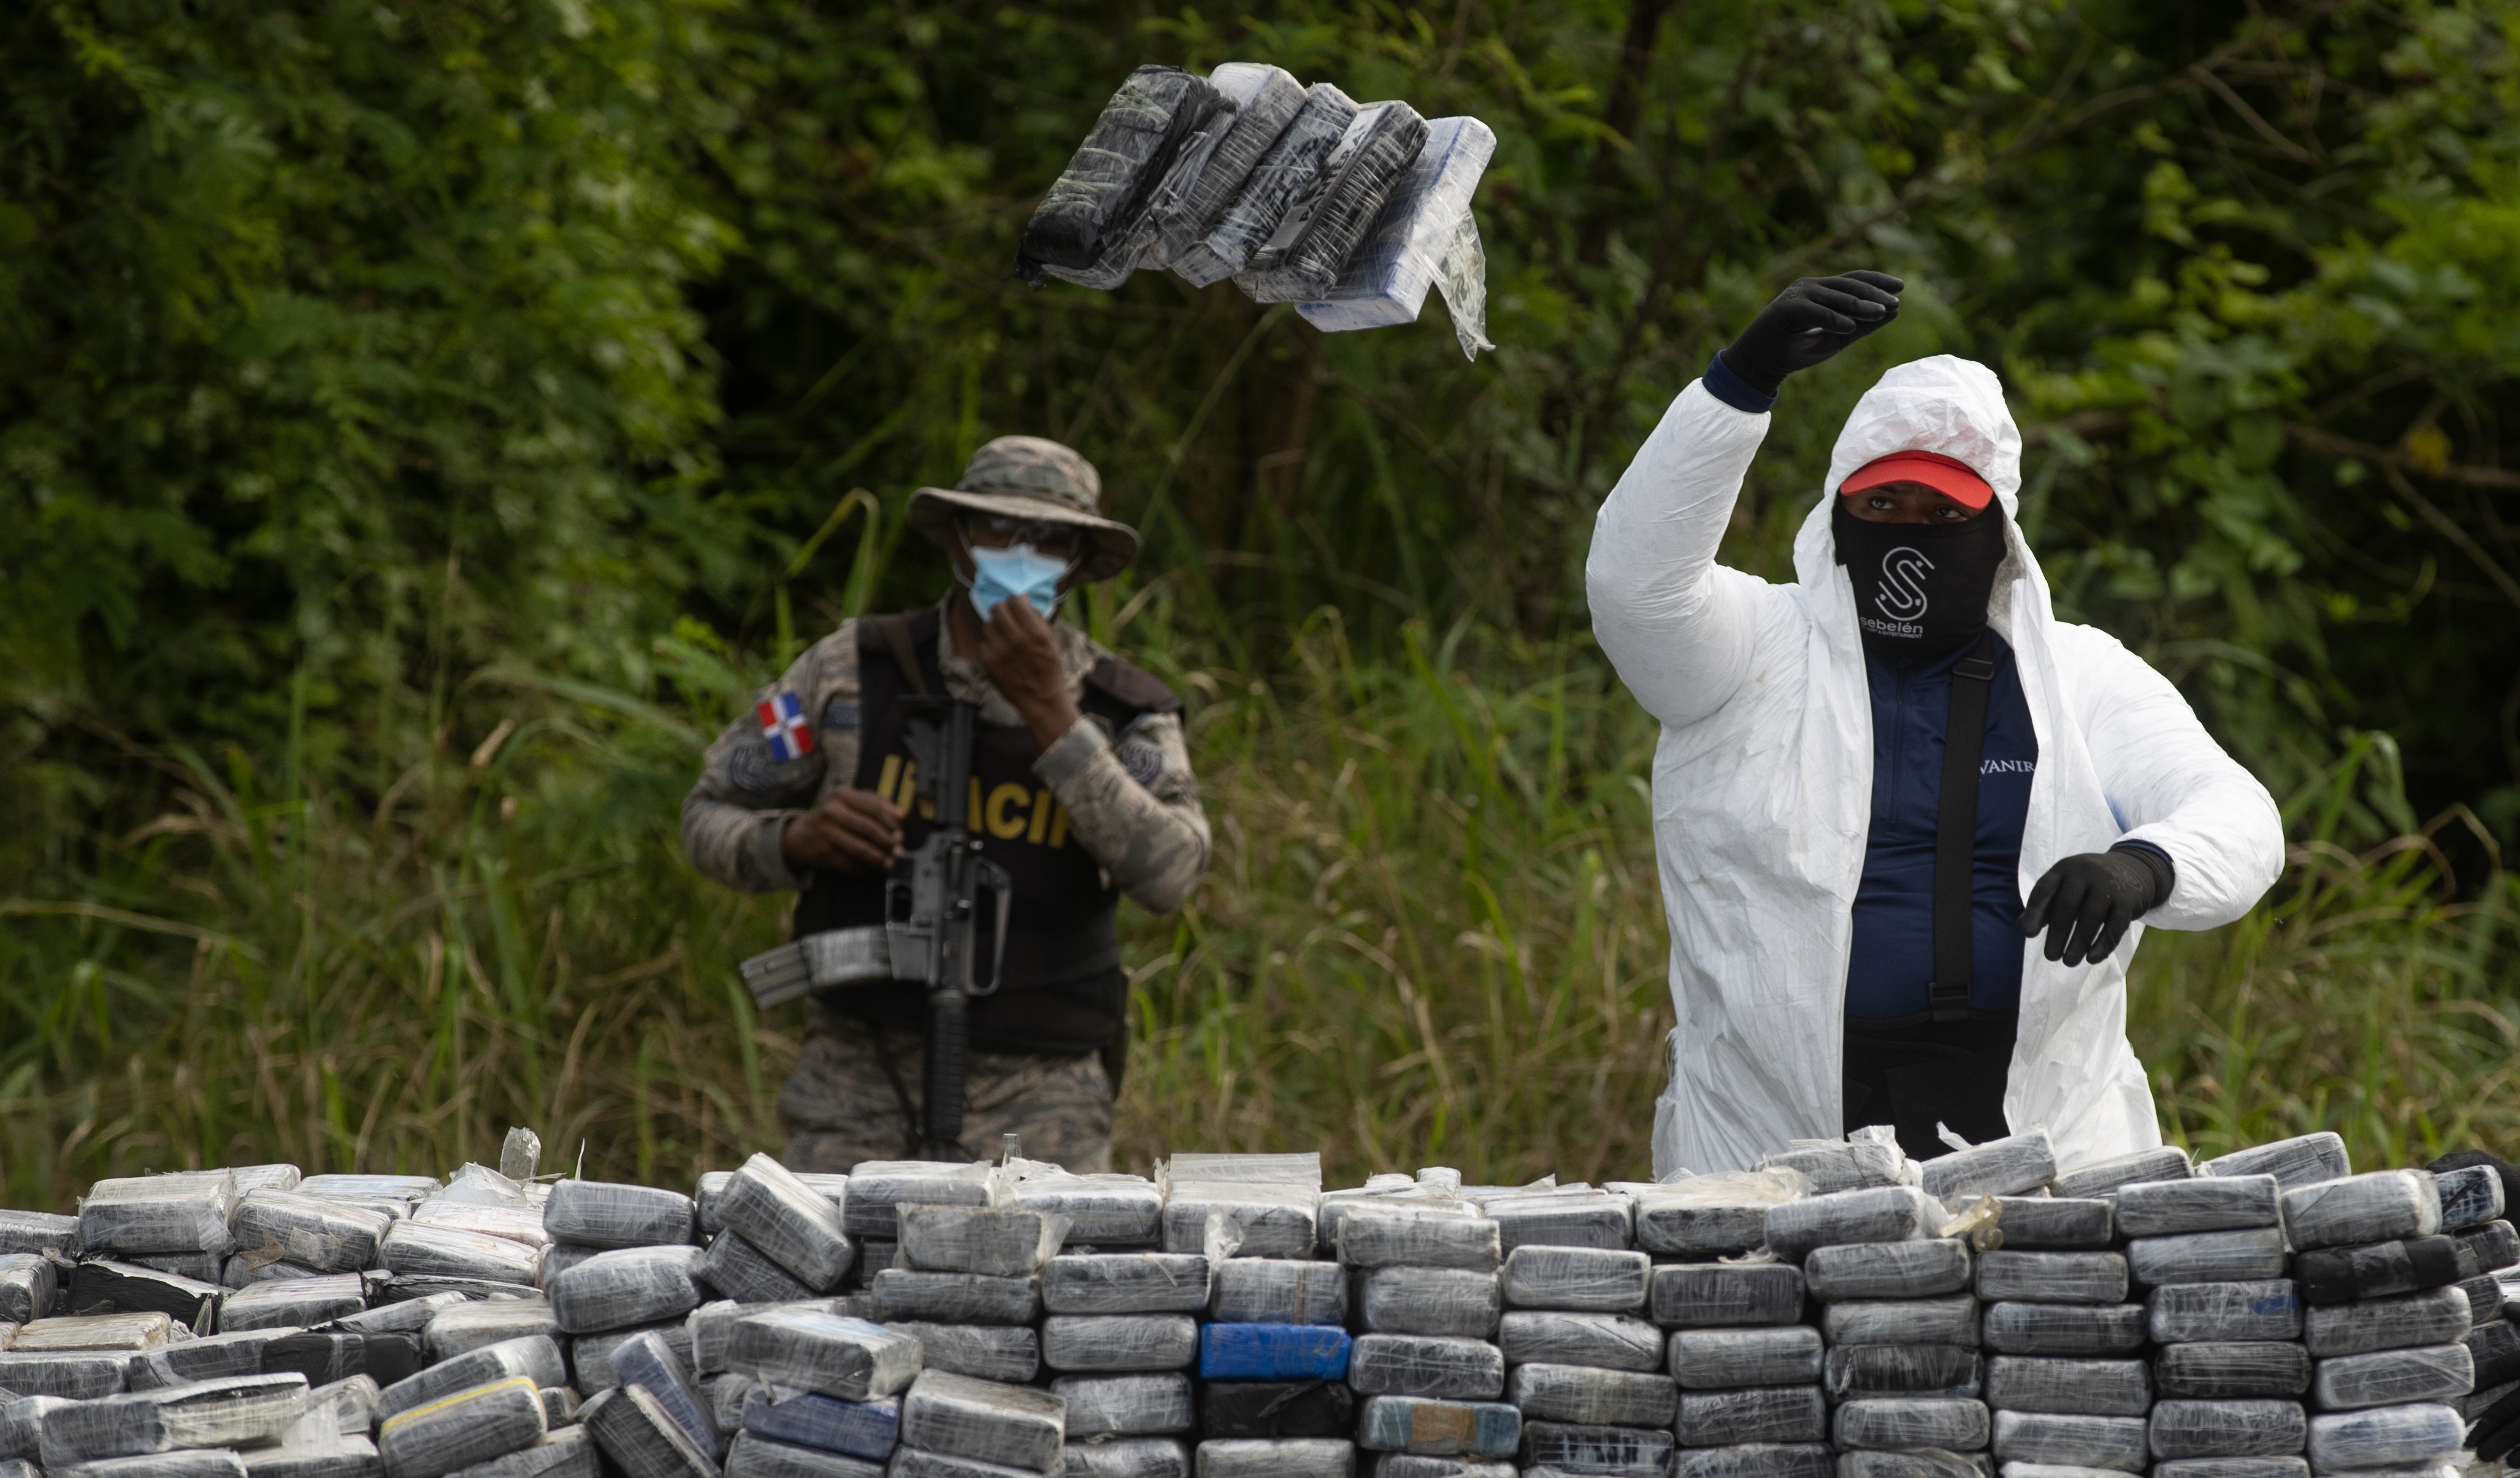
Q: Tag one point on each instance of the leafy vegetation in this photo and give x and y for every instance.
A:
(421, 428)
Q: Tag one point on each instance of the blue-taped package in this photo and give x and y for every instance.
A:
(1285, 171)
(751, 1457)
(1768, 1414)
(1430, 1427)
(1273, 1352)
(1425, 236)
(857, 1428)
(645, 1359)
(2115, 1443)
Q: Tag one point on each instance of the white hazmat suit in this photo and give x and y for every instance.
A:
(1763, 783)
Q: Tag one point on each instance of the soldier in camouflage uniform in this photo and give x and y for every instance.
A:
(1082, 790)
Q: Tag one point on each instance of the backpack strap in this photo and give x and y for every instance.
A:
(1955, 831)
(895, 637)
(1131, 688)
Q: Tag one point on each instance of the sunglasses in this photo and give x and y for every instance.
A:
(1059, 541)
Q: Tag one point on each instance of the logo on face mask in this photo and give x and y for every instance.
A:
(1900, 596)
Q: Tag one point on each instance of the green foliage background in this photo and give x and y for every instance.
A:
(419, 427)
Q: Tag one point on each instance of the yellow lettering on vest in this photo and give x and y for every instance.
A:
(1059, 828)
(1042, 806)
(891, 773)
(1001, 825)
(972, 807)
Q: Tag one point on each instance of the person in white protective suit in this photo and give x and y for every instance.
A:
(1861, 775)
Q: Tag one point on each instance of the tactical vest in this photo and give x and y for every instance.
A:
(1063, 991)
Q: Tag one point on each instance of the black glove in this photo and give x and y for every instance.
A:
(2086, 902)
(2497, 1432)
(1808, 322)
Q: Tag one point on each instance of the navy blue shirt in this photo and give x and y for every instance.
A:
(1893, 961)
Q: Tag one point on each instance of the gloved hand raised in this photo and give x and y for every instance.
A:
(2086, 902)
(1808, 322)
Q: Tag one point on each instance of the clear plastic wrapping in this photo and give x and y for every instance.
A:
(1338, 1205)
(316, 1232)
(2234, 1468)
(991, 1241)
(470, 1424)
(2387, 1437)
(1830, 1166)
(72, 1375)
(1714, 1215)
(1604, 1341)
(560, 1405)
(1285, 171)
(956, 1298)
(2054, 1224)
(1126, 1405)
(2469, 1196)
(2381, 1269)
(2008, 1166)
(1761, 1414)
(569, 1453)
(1239, 1410)
(1259, 1219)
(704, 1195)
(1305, 1458)
(516, 1223)
(2117, 1442)
(22, 1425)
(1607, 1398)
(1442, 1301)
(789, 1222)
(852, 1428)
(604, 1213)
(217, 1357)
(200, 1267)
(851, 1358)
(633, 1427)
(1101, 1210)
(1887, 1270)
(2435, 1317)
(1010, 1353)
(294, 1303)
(29, 1285)
(1127, 1457)
(1390, 1236)
(1758, 1459)
(627, 1287)
(405, 1188)
(1569, 1447)
(2384, 1205)
(1418, 1466)
(2225, 1313)
(1426, 1427)
(421, 1249)
(1903, 1423)
(751, 1457)
(1424, 237)
(39, 1232)
(1417, 1365)
(188, 1211)
(2051, 1277)
(1921, 1464)
(2074, 1387)
(2206, 1203)
(1265, 1291)
(205, 1462)
(1265, 99)
(1274, 1352)
(242, 1410)
(2395, 1377)
(129, 1289)
(1568, 1217)
(2207, 1257)
(2484, 1298)
(2267, 1369)
(407, 1315)
(1135, 1282)
(1880, 1214)
(1851, 1372)
(241, 1272)
(739, 1269)
(1591, 1280)
(1330, 219)
(2496, 1347)
(1951, 1319)
(559, 1258)
(534, 1360)
(2227, 1428)
(1085, 229)
(1015, 1425)
(2298, 1161)
(1725, 1360)
(1709, 1295)
(139, 1330)
(1117, 1343)
(647, 1362)
(877, 1188)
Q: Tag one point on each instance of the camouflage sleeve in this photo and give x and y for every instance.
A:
(733, 818)
(1134, 804)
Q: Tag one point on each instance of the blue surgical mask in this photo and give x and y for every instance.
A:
(1018, 569)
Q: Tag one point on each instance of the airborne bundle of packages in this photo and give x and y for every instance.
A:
(1349, 211)
(1840, 1311)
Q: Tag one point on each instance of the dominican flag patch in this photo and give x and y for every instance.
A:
(782, 724)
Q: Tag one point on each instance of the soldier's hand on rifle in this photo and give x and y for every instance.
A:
(849, 831)
(1020, 653)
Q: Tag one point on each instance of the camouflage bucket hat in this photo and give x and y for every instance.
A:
(1030, 477)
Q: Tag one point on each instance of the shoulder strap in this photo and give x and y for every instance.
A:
(894, 636)
(1955, 829)
(1130, 687)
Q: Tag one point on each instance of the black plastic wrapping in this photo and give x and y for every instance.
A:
(641, 1437)
(2092, 1441)
(628, 1287)
(2394, 1377)
(603, 1214)
(1710, 1295)
(29, 1283)
(2384, 1205)
(1609, 1398)
(1881, 1213)
(956, 1298)
(73, 1376)
(1265, 1291)
(1922, 1464)
(127, 1289)
(1265, 100)
(2020, 1328)
(2223, 1203)
(1380, 1236)
(2378, 1270)
(988, 1241)
(2054, 1223)
(1082, 229)
(1015, 1425)
(1120, 1343)
(1285, 171)
(1887, 1270)
(791, 1223)
(1758, 1459)
(1903, 1423)
(1565, 1447)
(1238, 1409)
(39, 1232)
(1713, 1215)
(1593, 1280)
(850, 1359)
(317, 1233)
(2469, 1196)
(1101, 1210)
(292, 1303)
(1301, 259)
(737, 1269)
(1126, 1406)
(2496, 1245)
(2224, 1313)
(2484, 1297)
(2234, 1468)
(1134, 1282)
(1009, 1352)
(2051, 1277)
(2207, 1257)
(2074, 1387)
(1411, 1365)
(1605, 1341)
(1951, 1319)
(1724, 1359)
(1762, 1414)
(2168, 1162)
(1309, 1457)
(2435, 1317)
(2298, 1161)
(1851, 1373)
(2274, 1368)
(1122, 1458)
(2496, 1347)
(2228, 1428)
(2008, 1166)
(2387, 1437)
(1830, 1166)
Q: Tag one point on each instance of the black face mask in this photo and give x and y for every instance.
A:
(1920, 589)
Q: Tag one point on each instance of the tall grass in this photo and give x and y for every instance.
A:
(1430, 935)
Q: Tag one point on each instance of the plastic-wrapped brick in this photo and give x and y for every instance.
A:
(2052, 1223)
(1338, 1205)
(1085, 229)
(1427, 1427)
(2074, 1387)
(29, 1285)
(1564, 1219)
(1887, 1270)
(603, 1214)
(1285, 171)
(1238, 1409)
(1604, 1341)
(2495, 1245)
(1725, 1360)
(1713, 1215)
(131, 1289)
(1881, 1213)
(2384, 1205)
(187, 1211)
(2025, 1328)
(866, 1429)
(1377, 1237)
(1117, 1343)
(406, 1189)
(22, 1425)
(2008, 1166)
(243, 1410)
(423, 1250)
(1265, 100)
(560, 1406)
(2469, 1196)
(741, 1270)
(202, 1266)
(1758, 1459)
(1101, 1210)
(2381, 1270)
(1927, 1465)
(1009, 1352)
(534, 1360)
(2231, 1371)
(991, 1241)
(410, 1316)
(627, 1287)
(39, 1232)
(1761, 1414)
(1414, 1465)
(2300, 1161)
(569, 1453)
(646, 1360)
(1899, 1423)
(850, 1359)
(2395, 1377)
(2173, 1208)
(1129, 1458)
(2439, 1316)
(69, 1375)
(2495, 1348)
(514, 1223)
(1606, 1398)
(704, 1195)
(2225, 1313)
(2484, 1297)
(2051, 1277)
(2479, 1403)
(1330, 220)
(292, 1303)
(2051, 1470)
(1851, 1373)
(1707, 1295)
(313, 1232)
(792, 1224)
(1126, 1405)
(877, 1188)
(1268, 1291)
(1307, 1458)
(1445, 1301)
(1591, 1279)
(1413, 1365)
(1261, 1219)
(751, 1457)
(2227, 1428)
(63, 1333)
(2234, 1468)
(558, 1259)
(207, 1462)
(215, 1358)
(1568, 1448)
(1016, 1425)
(634, 1429)
(956, 1298)
(469, 1425)
(2386, 1437)
(2207, 1257)
(1830, 1166)
(2115, 1443)
(1275, 1352)
(1951, 1319)
(1135, 1282)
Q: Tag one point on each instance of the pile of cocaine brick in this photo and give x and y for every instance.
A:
(1841, 1312)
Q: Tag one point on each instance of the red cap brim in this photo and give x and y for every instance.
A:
(1953, 478)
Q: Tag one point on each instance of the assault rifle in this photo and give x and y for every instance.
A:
(932, 906)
